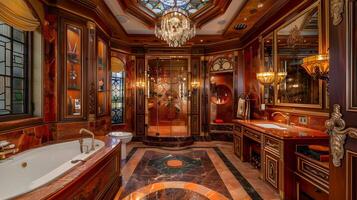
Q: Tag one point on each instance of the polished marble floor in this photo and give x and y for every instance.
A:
(205, 170)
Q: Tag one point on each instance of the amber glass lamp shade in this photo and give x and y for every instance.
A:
(317, 65)
(280, 76)
(266, 78)
(195, 84)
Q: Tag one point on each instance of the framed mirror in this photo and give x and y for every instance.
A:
(352, 61)
(295, 40)
(268, 64)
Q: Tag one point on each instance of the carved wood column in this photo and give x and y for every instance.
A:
(140, 96)
(91, 71)
(195, 96)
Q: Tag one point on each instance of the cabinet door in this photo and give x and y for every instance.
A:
(237, 145)
(271, 169)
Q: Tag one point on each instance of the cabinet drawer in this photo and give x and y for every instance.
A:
(272, 145)
(272, 169)
(313, 172)
(254, 135)
(237, 128)
(307, 190)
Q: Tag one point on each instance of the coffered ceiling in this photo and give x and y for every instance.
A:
(216, 20)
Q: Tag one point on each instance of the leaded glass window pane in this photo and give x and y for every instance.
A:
(159, 6)
(12, 70)
(118, 96)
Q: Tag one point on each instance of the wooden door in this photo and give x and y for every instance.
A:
(343, 98)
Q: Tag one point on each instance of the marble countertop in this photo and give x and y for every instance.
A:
(291, 132)
(111, 143)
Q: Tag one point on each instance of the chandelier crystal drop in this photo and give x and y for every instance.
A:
(175, 27)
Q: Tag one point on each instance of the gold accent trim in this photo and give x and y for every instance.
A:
(336, 11)
(336, 129)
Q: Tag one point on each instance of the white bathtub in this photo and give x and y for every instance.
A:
(43, 165)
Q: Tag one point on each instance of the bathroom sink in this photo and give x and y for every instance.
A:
(273, 126)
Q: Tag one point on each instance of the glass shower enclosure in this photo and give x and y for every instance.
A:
(167, 97)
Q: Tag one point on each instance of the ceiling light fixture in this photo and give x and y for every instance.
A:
(175, 27)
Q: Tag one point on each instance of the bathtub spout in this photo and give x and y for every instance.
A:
(83, 130)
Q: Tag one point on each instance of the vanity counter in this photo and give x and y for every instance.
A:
(271, 147)
(291, 132)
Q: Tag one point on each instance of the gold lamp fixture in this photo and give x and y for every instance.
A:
(195, 84)
(317, 66)
(266, 78)
(280, 76)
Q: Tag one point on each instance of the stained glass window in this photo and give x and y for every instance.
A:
(159, 6)
(118, 97)
(13, 78)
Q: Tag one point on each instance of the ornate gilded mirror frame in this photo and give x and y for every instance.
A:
(315, 5)
(351, 42)
(269, 38)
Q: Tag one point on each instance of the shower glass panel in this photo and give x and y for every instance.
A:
(167, 97)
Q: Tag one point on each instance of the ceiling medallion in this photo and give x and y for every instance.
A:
(175, 27)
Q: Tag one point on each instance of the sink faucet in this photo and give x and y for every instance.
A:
(286, 116)
(83, 130)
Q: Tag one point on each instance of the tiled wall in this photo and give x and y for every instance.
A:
(27, 138)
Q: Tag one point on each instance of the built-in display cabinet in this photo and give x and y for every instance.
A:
(102, 74)
(83, 87)
(73, 71)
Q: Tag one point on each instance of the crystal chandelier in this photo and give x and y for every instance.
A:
(175, 27)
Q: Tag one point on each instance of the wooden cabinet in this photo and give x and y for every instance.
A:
(73, 73)
(311, 179)
(83, 86)
(237, 140)
(237, 145)
(271, 169)
(276, 152)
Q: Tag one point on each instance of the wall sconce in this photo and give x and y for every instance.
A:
(317, 66)
(280, 76)
(266, 78)
(195, 84)
(140, 84)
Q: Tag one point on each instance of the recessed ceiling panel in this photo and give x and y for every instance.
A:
(159, 6)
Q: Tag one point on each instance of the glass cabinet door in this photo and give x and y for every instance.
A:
(73, 72)
(101, 77)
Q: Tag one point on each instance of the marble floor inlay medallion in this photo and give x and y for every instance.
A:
(197, 169)
(197, 172)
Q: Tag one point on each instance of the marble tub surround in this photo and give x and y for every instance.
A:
(60, 187)
(290, 132)
(213, 173)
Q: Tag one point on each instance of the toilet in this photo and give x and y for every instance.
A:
(124, 137)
